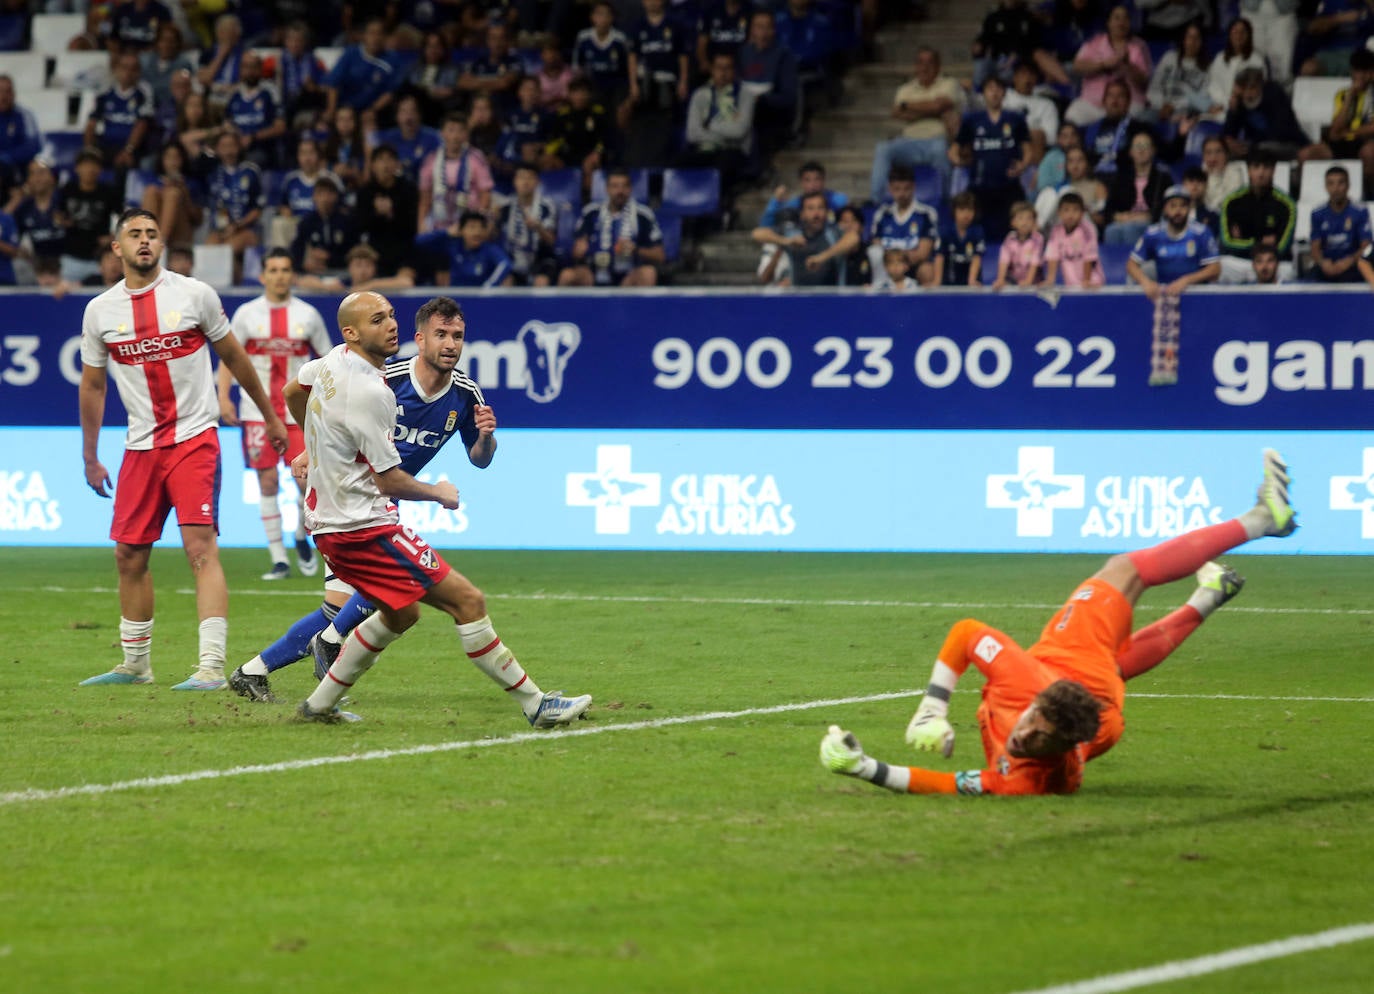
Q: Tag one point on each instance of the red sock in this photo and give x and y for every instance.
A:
(1152, 644)
(1178, 557)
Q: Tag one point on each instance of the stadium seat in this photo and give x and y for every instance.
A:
(671, 226)
(1202, 130)
(135, 183)
(252, 265)
(81, 71)
(29, 71)
(62, 146)
(639, 185)
(51, 32)
(564, 186)
(214, 264)
(1283, 177)
(988, 273)
(1314, 101)
(567, 229)
(691, 192)
(51, 108)
(928, 187)
(1113, 259)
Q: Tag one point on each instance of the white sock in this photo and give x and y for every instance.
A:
(896, 778)
(490, 655)
(255, 667)
(359, 653)
(214, 634)
(1257, 521)
(136, 637)
(331, 634)
(270, 513)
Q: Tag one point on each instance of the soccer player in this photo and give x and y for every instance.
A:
(280, 333)
(354, 479)
(1049, 709)
(154, 325)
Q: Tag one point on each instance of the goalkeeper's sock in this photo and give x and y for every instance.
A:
(294, 644)
(1182, 556)
(270, 512)
(1152, 644)
(490, 655)
(136, 638)
(892, 777)
(214, 634)
(348, 617)
(360, 651)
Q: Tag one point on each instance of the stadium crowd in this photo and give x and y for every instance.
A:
(394, 144)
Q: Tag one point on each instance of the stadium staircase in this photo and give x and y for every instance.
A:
(842, 137)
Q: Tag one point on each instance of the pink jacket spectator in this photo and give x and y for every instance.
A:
(1073, 249)
(1022, 258)
(1099, 48)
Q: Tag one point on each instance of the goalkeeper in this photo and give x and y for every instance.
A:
(1049, 709)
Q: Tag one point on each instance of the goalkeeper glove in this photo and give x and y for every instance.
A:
(930, 731)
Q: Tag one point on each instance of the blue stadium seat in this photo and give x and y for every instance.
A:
(691, 192)
(564, 186)
(567, 229)
(988, 273)
(271, 189)
(135, 183)
(1114, 262)
(928, 189)
(1202, 130)
(639, 185)
(62, 147)
(531, 60)
(671, 226)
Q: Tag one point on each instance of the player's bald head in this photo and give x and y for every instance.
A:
(357, 305)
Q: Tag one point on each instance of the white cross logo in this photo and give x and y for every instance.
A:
(1356, 493)
(613, 489)
(1034, 491)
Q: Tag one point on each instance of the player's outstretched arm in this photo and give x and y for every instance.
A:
(231, 353)
(842, 753)
(91, 401)
(397, 484)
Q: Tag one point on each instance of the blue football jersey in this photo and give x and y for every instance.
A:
(117, 111)
(1340, 232)
(251, 110)
(235, 192)
(1174, 257)
(892, 229)
(425, 424)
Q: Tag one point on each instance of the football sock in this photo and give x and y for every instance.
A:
(295, 643)
(1257, 521)
(1182, 556)
(214, 633)
(271, 524)
(892, 777)
(490, 655)
(360, 651)
(136, 637)
(301, 533)
(1151, 645)
(255, 667)
(347, 618)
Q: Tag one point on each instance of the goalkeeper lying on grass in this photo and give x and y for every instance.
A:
(1049, 709)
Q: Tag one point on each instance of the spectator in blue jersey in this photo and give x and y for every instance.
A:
(807, 34)
(601, 55)
(722, 28)
(175, 198)
(1107, 138)
(122, 118)
(87, 206)
(298, 186)
(527, 226)
(1261, 117)
(720, 126)
(254, 111)
(235, 200)
(324, 236)
(1012, 34)
(992, 144)
(219, 65)
(1340, 232)
(814, 246)
(434, 78)
(134, 25)
(387, 207)
(1183, 252)
(163, 61)
(618, 241)
(1258, 214)
(959, 252)
(1338, 28)
(362, 78)
(523, 137)
(20, 137)
(410, 139)
(811, 179)
(496, 71)
(906, 224)
(39, 215)
(659, 75)
(475, 260)
(299, 75)
(770, 70)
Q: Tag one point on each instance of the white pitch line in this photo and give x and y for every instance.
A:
(176, 779)
(758, 601)
(1216, 962)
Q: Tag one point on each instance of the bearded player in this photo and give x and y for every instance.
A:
(1049, 709)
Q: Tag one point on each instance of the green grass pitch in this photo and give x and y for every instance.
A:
(712, 855)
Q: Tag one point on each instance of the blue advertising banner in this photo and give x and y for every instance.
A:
(1248, 360)
(851, 490)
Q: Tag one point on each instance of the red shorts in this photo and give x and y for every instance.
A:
(388, 564)
(151, 482)
(258, 452)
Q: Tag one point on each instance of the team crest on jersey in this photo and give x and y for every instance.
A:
(1003, 764)
(172, 318)
(987, 648)
(1192, 248)
(243, 182)
(1347, 224)
(1006, 130)
(428, 560)
(452, 420)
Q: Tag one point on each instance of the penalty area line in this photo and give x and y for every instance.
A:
(177, 779)
(1216, 962)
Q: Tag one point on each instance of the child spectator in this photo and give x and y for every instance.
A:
(473, 260)
(601, 56)
(528, 228)
(453, 179)
(959, 257)
(1073, 242)
(1195, 182)
(554, 76)
(858, 267)
(1023, 250)
(896, 272)
(992, 143)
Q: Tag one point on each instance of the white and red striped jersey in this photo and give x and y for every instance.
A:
(158, 340)
(349, 426)
(279, 339)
